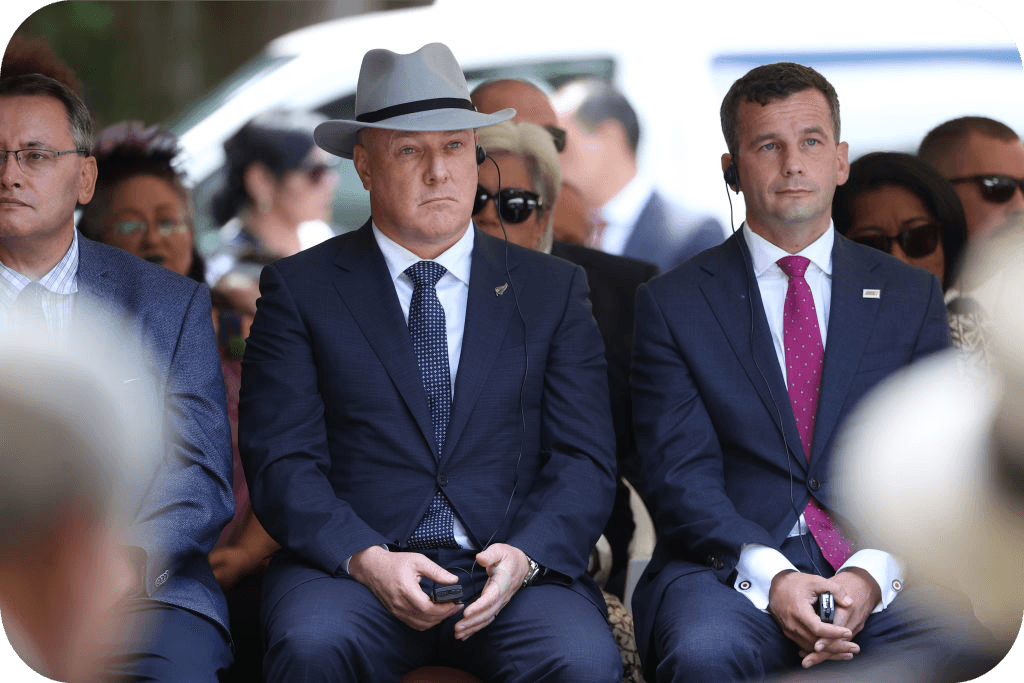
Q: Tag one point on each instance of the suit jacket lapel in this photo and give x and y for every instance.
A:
(365, 285)
(851, 318)
(734, 297)
(487, 318)
(97, 284)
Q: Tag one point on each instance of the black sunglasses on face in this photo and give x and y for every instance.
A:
(996, 187)
(915, 242)
(514, 205)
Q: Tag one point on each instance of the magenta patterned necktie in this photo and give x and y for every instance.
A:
(804, 358)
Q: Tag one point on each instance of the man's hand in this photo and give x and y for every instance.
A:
(394, 578)
(230, 564)
(856, 597)
(506, 567)
(790, 601)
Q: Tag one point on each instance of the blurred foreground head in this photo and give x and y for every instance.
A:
(933, 461)
(73, 438)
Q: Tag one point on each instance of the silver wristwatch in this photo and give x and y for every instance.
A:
(531, 572)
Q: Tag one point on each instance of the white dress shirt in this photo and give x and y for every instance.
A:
(620, 213)
(452, 292)
(60, 283)
(758, 564)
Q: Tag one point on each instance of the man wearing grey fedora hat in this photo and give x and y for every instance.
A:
(424, 419)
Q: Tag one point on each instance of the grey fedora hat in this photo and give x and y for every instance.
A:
(422, 91)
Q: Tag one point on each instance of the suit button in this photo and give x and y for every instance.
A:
(715, 562)
(442, 479)
(813, 484)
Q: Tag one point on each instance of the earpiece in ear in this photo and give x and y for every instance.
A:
(480, 155)
(732, 176)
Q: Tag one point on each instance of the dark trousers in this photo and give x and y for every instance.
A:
(334, 629)
(167, 643)
(706, 630)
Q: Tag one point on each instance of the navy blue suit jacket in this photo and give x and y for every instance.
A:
(180, 516)
(715, 430)
(336, 436)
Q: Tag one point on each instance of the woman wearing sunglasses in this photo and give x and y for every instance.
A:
(901, 205)
(278, 190)
(525, 162)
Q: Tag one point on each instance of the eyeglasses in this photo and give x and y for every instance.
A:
(165, 227)
(996, 188)
(316, 172)
(915, 242)
(558, 135)
(514, 205)
(35, 160)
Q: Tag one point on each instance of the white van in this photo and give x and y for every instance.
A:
(900, 67)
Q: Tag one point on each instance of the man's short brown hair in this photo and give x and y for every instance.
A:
(770, 83)
(945, 139)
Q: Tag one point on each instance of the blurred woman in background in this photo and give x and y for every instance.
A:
(141, 203)
(278, 190)
(901, 205)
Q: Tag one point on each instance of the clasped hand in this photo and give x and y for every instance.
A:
(791, 599)
(394, 578)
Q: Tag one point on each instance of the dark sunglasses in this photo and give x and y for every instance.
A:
(514, 205)
(915, 242)
(996, 188)
(558, 135)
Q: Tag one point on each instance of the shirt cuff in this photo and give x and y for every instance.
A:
(885, 569)
(757, 566)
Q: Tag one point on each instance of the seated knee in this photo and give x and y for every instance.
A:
(702, 654)
(309, 645)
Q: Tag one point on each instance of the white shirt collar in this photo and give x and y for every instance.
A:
(61, 279)
(625, 207)
(764, 254)
(457, 259)
(621, 212)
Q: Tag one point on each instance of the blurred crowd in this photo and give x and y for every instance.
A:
(560, 177)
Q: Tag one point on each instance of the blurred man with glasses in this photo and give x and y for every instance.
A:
(51, 277)
(984, 159)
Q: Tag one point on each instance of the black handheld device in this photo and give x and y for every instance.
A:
(825, 607)
(446, 593)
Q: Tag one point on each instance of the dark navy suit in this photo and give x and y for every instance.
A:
(338, 446)
(180, 516)
(722, 460)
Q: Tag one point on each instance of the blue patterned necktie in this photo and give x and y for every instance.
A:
(430, 344)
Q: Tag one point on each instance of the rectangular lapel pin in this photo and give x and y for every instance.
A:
(498, 291)
(872, 294)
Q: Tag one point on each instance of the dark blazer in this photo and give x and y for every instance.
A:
(336, 436)
(190, 500)
(613, 282)
(715, 430)
(662, 237)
